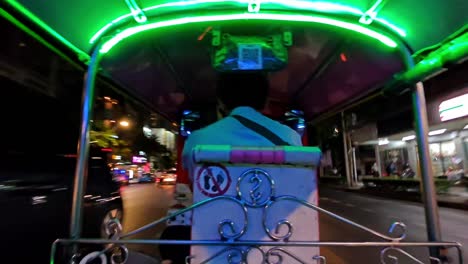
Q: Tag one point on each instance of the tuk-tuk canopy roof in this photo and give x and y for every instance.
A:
(326, 65)
(423, 22)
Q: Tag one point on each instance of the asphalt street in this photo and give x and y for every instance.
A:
(144, 203)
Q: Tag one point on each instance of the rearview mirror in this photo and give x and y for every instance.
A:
(295, 120)
(189, 122)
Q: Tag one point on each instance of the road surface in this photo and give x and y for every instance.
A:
(144, 203)
(378, 214)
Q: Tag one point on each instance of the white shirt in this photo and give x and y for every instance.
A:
(229, 131)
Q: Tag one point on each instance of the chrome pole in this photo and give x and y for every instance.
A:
(81, 170)
(355, 172)
(428, 190)
(427, 178)
(345, 148)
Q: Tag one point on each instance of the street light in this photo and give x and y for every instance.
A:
(124, 123)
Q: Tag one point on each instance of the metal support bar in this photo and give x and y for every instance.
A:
(355, 172)
(329, 59)
(254, 243)
(427, 178)
(81, 170)
(136, 11)
(345, 149)
(254, 6)
(369, 16)
(172, 70)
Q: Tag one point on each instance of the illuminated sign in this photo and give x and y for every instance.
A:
(383, 141)
(407, 138)
(137, 159)
(437, 132)
(454, 108)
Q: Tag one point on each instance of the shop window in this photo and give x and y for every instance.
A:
(394, 161)
(445, 160)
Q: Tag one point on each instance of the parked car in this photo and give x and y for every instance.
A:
(37, 167)
(134, 180)
(120, 176)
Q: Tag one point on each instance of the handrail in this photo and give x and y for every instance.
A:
(388, 246)
(235, 246)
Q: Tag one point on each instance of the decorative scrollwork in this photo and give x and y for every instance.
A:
(113, 228)
(259, 195)
(401, 226)
(92, 256)
(260, 189)
(279, 224)
(250, 249)
(231, 226)
(255, 194)
(277, 252)
(119, 255)
(235, 253)
(75, 259)
(193, 207)
(385, 256)
(320, 259)
(188, 259)
(236, 257)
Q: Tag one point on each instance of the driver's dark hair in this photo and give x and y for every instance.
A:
(243, 89)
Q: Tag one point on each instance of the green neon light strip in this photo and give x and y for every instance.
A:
(317, 6)
(172, 4)
(243, 16)
(33, 34)
(332, 7)
(297, 4)
(83, 55)
(398, 30)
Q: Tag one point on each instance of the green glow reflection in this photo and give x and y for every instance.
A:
(47, 28)
(252, 16)
(319, 6)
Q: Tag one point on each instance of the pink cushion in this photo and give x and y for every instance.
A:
(291, 155)
(257, 156)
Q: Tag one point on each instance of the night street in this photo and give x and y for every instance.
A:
(379, 214)
(144, 203)
(147, 202)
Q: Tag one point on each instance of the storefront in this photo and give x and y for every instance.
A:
(381, 140)
(448, 144)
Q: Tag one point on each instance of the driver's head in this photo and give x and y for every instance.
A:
(242, 89)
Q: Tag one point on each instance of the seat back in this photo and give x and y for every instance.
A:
(254, 194)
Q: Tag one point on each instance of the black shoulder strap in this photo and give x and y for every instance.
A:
(261, 130)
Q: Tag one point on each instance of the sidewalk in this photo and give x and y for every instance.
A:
(455, 200)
